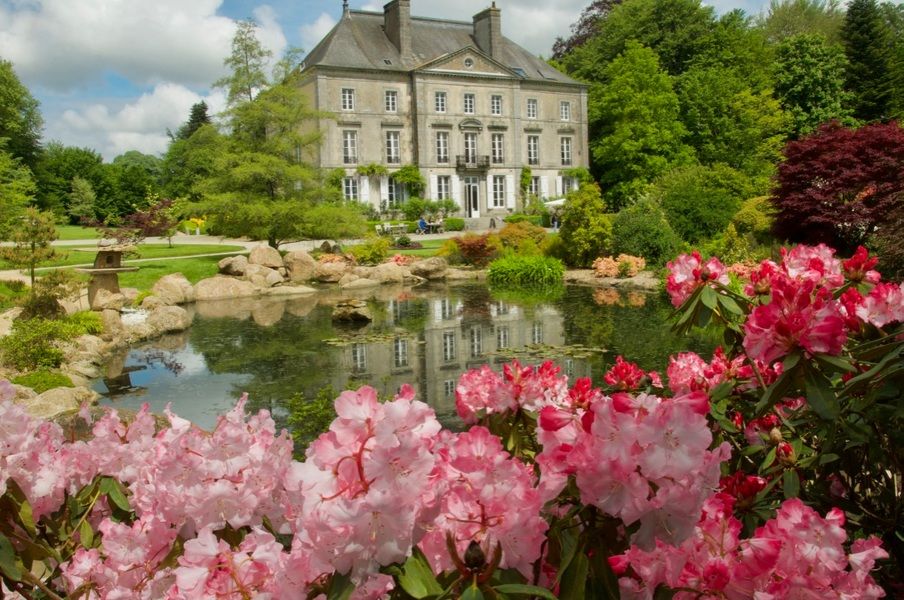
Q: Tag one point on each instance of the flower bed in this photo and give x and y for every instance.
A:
(767, 471)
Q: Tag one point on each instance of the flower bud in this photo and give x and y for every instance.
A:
(475, 559)
(785, 454)
(775, 436)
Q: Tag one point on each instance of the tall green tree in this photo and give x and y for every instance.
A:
(81, 200)
(788, 18)
(190, 162)
(20, 118)
(197, 118)
(259, 185)
(636, 115)
(867, 45)
(809, 82)
(893, 14)
(584, 28)
(17, 188)
(676, 30)
(247, 64)
(57, 167)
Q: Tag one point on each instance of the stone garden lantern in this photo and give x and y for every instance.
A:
(106, 270)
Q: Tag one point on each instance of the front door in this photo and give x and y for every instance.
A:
(472, 197)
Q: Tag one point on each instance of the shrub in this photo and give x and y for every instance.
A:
(514, 269)
(403, 241)
(641, 229)
(85, 322)
(414, 208)
(699, 201)
(373, 251)
(475, 249)
(42, 380)
(518, 236)
(586, 229)
(451, 252)
(754, 218)
(454, 224)
(35, 343)
(10, 293)
(624, 265)
(521, 217)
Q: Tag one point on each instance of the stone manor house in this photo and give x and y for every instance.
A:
(466, 105)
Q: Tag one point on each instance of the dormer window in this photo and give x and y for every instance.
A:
(469, 62)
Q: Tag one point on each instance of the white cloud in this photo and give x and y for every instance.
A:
(138, 125)
(311, 33)
(64, 44)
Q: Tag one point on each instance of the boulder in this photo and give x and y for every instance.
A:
(262, 276)
(430, 268)
(218, 287)
(359, 284)
(328, 247)
(130, 294)
(389, 273)
(290, 290)
(268, 314)
(107, 300)
(7, 318)
(348, 278)
(354, 311)
(59, 400)
(300, 265)
(169, 318)
(265, 256)
(174, 289)
(151, 302)
(84, 368)
(330, 272)
(233, 265)
(22, 393)
(112, 321)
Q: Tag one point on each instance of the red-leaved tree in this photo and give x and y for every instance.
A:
(839, 185)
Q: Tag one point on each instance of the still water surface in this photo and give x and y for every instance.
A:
(427, 336)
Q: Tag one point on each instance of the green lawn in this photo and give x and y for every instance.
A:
(74, 232)
(76, 257)
(430, 247)
(194, 269)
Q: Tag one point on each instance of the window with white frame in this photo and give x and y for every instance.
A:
(391, 101)
(498, 144)
(476, 342)
(400, 352)
(348, 99)
(350, 188)
(536, 334)
(533, 149)
(470, 147)
(443, 187)
(439, 102)
(393, 152)
(496, 105)
(469, 103)
(569, 184)
(534, 189)
(442, 146)
(359, 357)
(446, 309)
(394, 194)
(565, 110)
(502, 308)
(502, 337)
(449, 387)
(532, 110)
(349, 147)
(565, 144)
(498, 191)
(449, 353)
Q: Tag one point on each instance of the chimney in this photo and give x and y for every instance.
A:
(397, 25)
(488, 31)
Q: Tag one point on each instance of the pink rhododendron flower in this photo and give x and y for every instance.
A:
(624, 375)
(799, 315)
(813, 263)
(688, 272)
(860, 267)
(883, 305)
(483, 391)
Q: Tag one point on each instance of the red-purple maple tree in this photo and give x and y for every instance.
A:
(839, 185)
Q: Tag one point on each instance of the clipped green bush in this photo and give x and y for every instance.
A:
(42, 380)
(35, 343)
(642, 229)
(414, 208)
(522, 237)
(454, 224)
(754, 218)
(521, 217)
(537, 271)
(373, 251)
(586, 228)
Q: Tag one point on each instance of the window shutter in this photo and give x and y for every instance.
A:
(456, 191)
(558, 185)
(544, 187)
(433, 188)
(384, 189)
(510, 192)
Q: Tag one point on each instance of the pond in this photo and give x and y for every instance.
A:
(426, 336)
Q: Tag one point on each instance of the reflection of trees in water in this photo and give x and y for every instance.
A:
(639, 331)
(280, 361)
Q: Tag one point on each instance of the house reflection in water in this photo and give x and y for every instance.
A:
(439, 338)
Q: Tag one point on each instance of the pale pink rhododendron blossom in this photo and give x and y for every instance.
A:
(688, 372)
(689, 272)
(883, 305)
(482, 391)
(797, 554)
(813, 263)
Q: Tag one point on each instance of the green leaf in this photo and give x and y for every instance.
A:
(767, 462)
(9, 563)
(574, 580)
(827, 458)
(820, 395)
(791, 484)
(417, 578)
(709, 298)
(23, 508)
(729, 304)
(115, 492)
(341, 587)
(86, 534)
(520, 589)
(472, 593)
(569, 545)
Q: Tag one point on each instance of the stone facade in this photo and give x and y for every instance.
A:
(466, 105)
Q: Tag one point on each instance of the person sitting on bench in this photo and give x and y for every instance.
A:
(421, 226)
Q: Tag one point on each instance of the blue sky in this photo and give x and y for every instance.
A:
(114, 75)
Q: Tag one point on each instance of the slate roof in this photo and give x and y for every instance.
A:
(359, 42)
